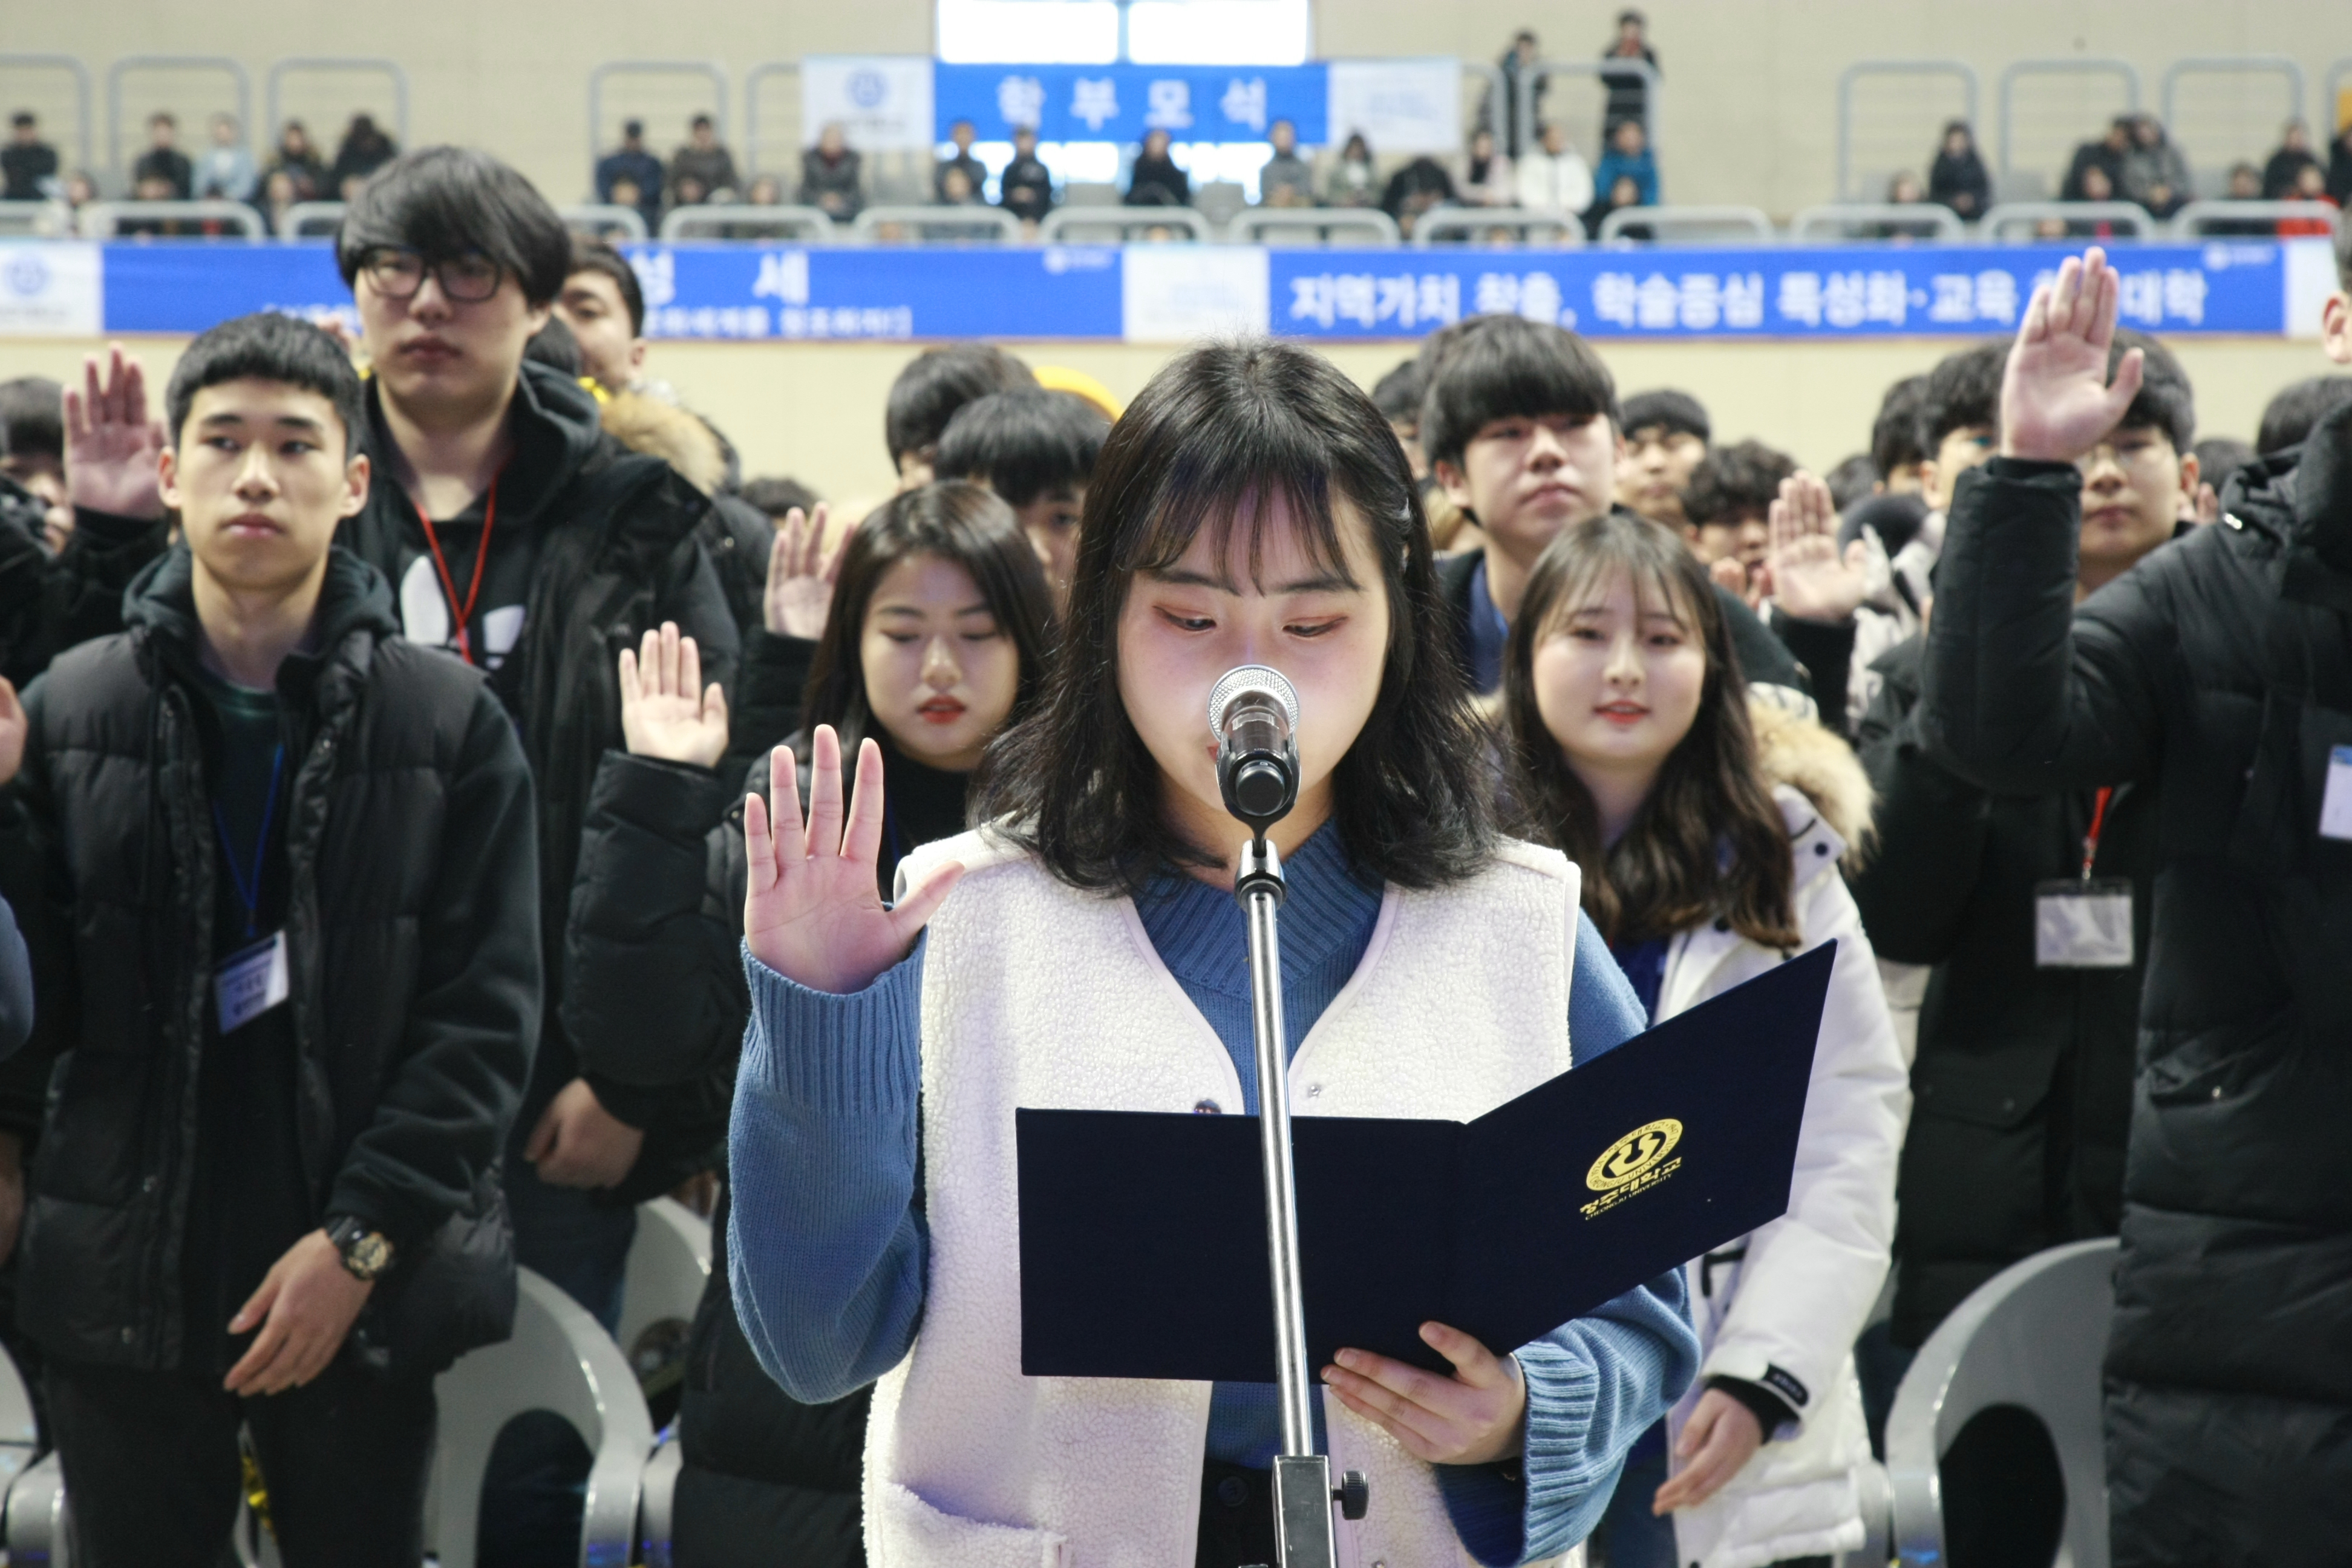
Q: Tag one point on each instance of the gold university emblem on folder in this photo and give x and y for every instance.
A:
(1634, 1163)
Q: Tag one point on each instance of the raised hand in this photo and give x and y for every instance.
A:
(2057, 402)
(113, 446)
(1729, 575)
(811, 910)
(1811, 581)
(801, 573)
(1473, 1417)
(665, 711)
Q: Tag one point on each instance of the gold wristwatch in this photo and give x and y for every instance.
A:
(366, 1253)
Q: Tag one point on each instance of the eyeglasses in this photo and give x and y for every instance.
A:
(397, 273)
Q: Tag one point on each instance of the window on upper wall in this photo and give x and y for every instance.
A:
(1159, 32)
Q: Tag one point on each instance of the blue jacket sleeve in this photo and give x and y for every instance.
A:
(827, 1246)
(1594, 1385)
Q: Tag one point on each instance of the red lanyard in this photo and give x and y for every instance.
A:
(2091, 839)
(464, 613)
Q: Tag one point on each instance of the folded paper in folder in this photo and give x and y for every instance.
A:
(1143, 1248)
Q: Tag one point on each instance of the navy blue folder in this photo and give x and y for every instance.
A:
(1143, 1236)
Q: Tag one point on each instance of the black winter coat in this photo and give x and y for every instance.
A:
(2022, 1090)
(413, 935)
(2222, 667)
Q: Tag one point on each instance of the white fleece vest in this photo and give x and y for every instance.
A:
(1039, 994)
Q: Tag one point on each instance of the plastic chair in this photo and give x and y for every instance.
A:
(657, 1504)
(2033, 1336)
(35, 1529)
(559, 1360)
(932, 224)
(1534, 225)
(669, 1262)
(796, 225)
(1128, 222)
(1690, 225)
(1316, 226)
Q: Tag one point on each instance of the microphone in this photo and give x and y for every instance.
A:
(1253, 715)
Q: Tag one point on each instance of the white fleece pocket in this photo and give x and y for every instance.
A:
(902, 1530)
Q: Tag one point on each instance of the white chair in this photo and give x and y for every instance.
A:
(36, 1528)
(668, 1263)
(561, 1359)
(2032, 1336)
(657, 1505)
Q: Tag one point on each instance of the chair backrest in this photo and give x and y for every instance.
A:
(1563, 231)
(2198, 217)
(2124, 217)
(931, 224)
(1128, 222)
(310, 220)
(711, 221)
(669, 1262)
(657, 1506)
(602, 219)
(1838, 220)
(1689, 222)
(1316, 226)
(100, 220)
(2033, 1336)
(35, 1529)
(559, 1359)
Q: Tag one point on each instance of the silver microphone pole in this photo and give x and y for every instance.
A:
(1253, 715)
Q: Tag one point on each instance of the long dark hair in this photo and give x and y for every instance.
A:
(1708, 842)
(1220, 438)
(957, 521)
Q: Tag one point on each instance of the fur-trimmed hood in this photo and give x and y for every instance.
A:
(663, 430)
(1795, 750)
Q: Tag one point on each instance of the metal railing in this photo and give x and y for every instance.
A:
(72, 67)
(124, 66)
(711, 71)
(1861, 69)
(598, 217)
(1054, 229)
(2282, 65)
(1564, 231)
(2085, 65)
(273, 88)
(2331, 87)
(1543, 70)
(711, 221)
(1711, 221)
(310, 220)
(938, 225)
(1834, 220)
(2202, 217)
(101, 220)
(37, 220)
(2120, 214)
(752, 141)
(1266, 226)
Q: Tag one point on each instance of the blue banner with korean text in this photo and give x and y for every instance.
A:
(1120, 102)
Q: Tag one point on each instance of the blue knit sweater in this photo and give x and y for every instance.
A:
(828, 1251)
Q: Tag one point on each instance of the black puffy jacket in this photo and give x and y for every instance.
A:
(2022, 1090)
(412, 938)
(2221, 667)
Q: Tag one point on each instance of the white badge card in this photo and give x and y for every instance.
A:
(2335, 805)
(2082, 925)
(250, 982)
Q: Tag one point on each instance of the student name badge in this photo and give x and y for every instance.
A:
(2080, 924)
(2335, 805)
(250, 982)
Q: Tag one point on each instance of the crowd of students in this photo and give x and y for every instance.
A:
(32, 171)
(446, 807)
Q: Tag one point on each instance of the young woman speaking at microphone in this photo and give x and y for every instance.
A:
(1251, 508)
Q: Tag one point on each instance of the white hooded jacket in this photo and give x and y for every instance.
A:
(1781, 1308)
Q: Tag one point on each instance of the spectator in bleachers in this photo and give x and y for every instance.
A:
(2312, 188)
(705, 160)
(975, 173)
(2106, 155)
(1904, 190)
(226, 171)
(1629, 158)
(1667, 433)
(1154, 180)
(276, 198)
(1486, 177)
(163, 170)
(2339, 166)
(332, 1149)
(80, 189)
(2245, 185)
(832, 176)
(365, 148)
(956, 189)
(766, 191)
(28, 165)
(1957, 178)
(2213, 671)
(154, 188)
(298, 161)
(1553, 176)
(1026, 187)
(2095, 186)
(625, 193)
(631, 162)
(1727, 513)
(1518, 62)
(2293, 154)
(1420, 184)
(1285, 179)
(2290, 416)
(1352, 181)
(2156, 171)
(1628, 95)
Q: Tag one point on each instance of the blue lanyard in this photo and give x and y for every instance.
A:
(248, 885)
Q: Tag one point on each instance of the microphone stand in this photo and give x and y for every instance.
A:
(1303, 1494)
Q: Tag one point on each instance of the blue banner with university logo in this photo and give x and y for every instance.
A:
(754, 292)
(1120, 102)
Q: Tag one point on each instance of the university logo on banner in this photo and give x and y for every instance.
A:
(883, 101)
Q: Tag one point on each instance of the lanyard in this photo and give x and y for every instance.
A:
(248, 884)
(2098, 820)
(464, 613)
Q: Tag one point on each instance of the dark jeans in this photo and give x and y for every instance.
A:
(151, 1467)
(536, 1487)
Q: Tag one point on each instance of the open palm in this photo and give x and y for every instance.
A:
(1811, 579)
(112, 443)
(801, 574)
(811, 910)
(665, 711)
(2057, 402)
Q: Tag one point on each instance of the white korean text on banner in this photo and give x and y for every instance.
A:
(883, 101)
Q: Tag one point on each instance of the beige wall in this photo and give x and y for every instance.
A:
(1748, 113)
(816, 410)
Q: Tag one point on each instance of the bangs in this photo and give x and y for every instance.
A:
(1240, 510)
(1656, 589)
(1506, 367)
